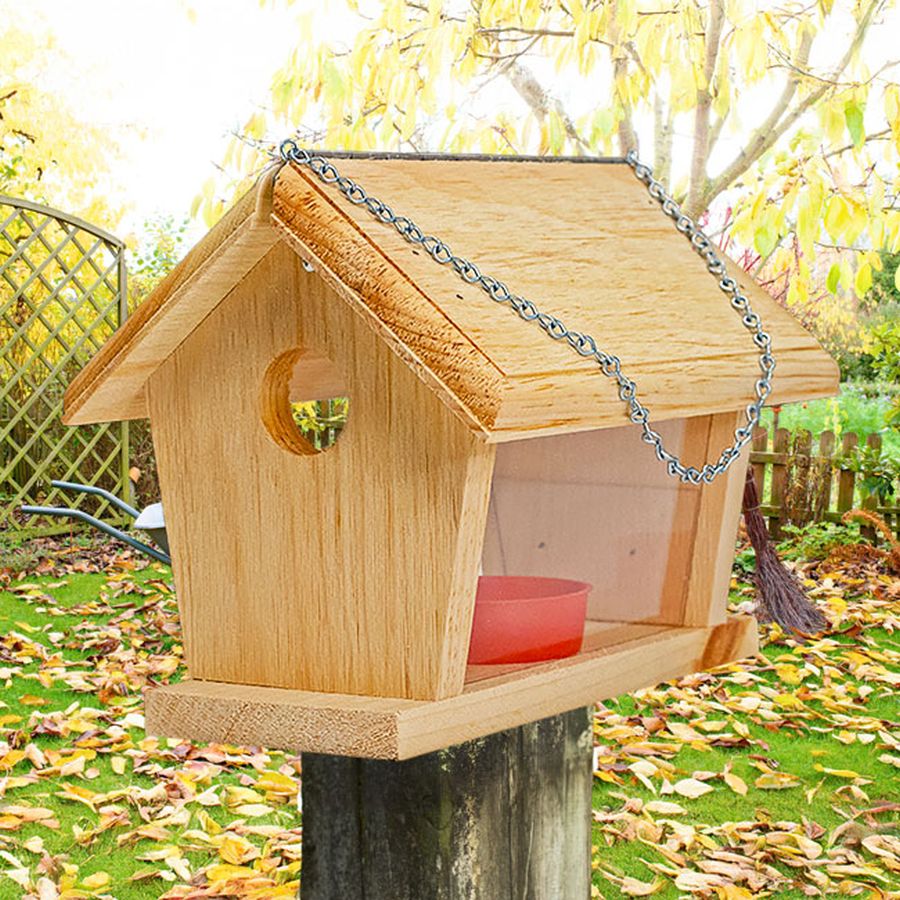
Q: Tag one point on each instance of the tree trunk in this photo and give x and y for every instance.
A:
(506, 817)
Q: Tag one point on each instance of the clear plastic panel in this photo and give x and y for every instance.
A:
(597, 507)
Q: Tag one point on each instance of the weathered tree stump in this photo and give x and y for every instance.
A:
(506, 817)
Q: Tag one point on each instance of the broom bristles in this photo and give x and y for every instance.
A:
(780, 596)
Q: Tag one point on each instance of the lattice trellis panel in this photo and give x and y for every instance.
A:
(62, 293)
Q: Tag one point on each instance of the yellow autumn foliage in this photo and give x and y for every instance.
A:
(776, 117)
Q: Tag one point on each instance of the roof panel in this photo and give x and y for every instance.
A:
(585, 243)
(580, 238)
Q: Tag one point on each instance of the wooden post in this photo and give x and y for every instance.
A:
(780, 445)
(760, 445)
(846, 478)
(869, 499)
(824, 468)
(506, 817)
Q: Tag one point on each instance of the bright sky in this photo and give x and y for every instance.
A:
(170, 78)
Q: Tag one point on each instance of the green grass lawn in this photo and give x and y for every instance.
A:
(92, 807)
(824, 713)
(127, 822)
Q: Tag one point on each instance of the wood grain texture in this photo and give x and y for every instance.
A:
(385, 728)
(507, 817)
(112, 385)
(385, 298)
(351, 570)
(706, 599)
(609, 264)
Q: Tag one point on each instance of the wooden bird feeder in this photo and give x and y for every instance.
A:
(327, 597)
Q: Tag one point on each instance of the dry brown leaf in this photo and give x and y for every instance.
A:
(632, 887)
(776, 781)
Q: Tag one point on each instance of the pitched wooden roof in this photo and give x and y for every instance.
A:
(581, 238)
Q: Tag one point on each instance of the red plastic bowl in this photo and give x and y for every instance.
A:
(527, 619)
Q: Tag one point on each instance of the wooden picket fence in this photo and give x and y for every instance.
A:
(830, 487)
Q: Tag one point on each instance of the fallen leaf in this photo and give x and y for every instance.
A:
(631, 887)
(776, 781)
(736, 783)
(691, 787)
(235, 849)
(665, 808)
(96, 881)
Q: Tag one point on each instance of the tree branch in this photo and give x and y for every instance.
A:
(782, 117)
(541, 101)
(875, 136)
(663, 134)
(700, 155)
(626, 133)
(714, 131)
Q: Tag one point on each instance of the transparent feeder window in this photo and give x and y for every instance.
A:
(595, 507)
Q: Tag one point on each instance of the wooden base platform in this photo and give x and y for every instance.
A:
(616, 658)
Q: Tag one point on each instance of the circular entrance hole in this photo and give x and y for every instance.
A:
(304, 401)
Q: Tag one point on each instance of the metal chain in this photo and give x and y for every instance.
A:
(581, 343)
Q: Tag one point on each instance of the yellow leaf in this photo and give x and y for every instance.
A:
(776, 781)
(788, 701)
(790, 840)
(733, 892)
(208, 823)
(236, 850)
(751, 47)
(10, 823)
(605, 775)
(82, 795)
(832, 119)
(33, 700)
(236, 795)
(809, 217)
(286, 891)
(276, 783)
(736, 783)
(223, 872)
(96, 881)
(11, 759)
(859, 217)
(789, 674)
(837, 217)
(837, 773)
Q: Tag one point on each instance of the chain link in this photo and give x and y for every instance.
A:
(581, 343)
